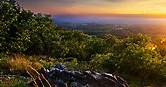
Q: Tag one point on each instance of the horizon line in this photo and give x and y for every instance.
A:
(117, 15)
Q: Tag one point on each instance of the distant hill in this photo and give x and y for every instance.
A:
(115, 26)
(107, 19)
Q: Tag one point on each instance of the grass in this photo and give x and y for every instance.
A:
(11, 81)
(21, 62)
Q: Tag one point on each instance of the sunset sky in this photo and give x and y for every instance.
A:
(97, 7)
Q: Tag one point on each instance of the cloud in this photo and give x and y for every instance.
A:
(56, 2)
(97, 6)
(126, 0)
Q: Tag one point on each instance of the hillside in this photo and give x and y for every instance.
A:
(29, 40)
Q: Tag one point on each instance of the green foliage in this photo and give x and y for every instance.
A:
(24, 32)
(3, 62)
(19, 28)
(36, 34)
(131, 57)
(19, 83)
(12, 82)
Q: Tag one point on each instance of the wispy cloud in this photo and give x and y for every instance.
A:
(96, 6)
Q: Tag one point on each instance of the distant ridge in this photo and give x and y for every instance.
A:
(121, 19)
(117, 15)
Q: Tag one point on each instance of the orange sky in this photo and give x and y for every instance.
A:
(98, 7)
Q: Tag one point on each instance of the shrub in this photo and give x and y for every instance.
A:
(131, 57)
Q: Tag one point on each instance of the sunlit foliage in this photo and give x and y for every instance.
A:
(28, 33)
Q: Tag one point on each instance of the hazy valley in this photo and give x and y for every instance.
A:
(120, 26)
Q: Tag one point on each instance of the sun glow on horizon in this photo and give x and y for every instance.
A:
(103, 7)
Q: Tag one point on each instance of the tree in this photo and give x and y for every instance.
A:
(20, 29)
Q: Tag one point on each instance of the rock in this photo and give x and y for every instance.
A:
(62, 77)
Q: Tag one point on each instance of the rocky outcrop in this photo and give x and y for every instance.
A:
(58, 76)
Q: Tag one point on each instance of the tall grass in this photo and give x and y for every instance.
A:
(22, 63)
